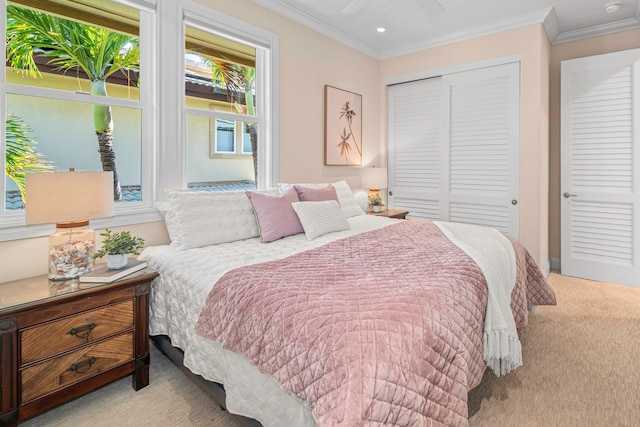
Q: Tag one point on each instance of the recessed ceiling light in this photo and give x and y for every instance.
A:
(612, 7)
(381, 29)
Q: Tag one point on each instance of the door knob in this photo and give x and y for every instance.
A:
(514, 202)
(567, 195)
(391, 193)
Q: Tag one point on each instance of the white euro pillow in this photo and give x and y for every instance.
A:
(348, 202)
(318, 218)
(202, 218)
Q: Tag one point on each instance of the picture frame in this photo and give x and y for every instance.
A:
(342, 127)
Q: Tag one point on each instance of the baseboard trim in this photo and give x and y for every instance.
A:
(547, 269)
(555, 264)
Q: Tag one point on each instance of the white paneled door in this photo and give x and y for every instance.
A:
(415, 129)
(454, 147)
(599, 160)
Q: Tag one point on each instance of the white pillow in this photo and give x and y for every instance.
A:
(318, 218)
(201, 218)
(348, 203)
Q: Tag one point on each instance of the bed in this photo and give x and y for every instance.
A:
(341, 318)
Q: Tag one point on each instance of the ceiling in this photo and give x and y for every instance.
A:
(413, 25)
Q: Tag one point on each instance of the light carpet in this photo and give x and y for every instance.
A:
(581, 368)
(581, 363)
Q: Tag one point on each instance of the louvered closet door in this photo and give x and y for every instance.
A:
(415, 121)
(600, 155)
(482, 148)
(453, 147)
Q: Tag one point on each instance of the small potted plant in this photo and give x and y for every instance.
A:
(375, 201)
(117, 246)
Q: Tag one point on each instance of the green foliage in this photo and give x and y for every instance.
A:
(98, 51)
(375, 200)
(72, 45)
(119, 243)
(21, 155)
(238, 80)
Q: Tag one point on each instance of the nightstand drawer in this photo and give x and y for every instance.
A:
(41, 379)
(70, 332)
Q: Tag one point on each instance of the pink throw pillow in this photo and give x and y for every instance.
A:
(275, 214)
(308, 194)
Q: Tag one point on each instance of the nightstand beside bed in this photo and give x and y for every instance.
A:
(391, 213)
(59, 340)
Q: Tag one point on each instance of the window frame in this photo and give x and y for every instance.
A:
(241, 134)
(238, 140)
(164, 143)
(266, 86)
(216, 152)
(172, 142)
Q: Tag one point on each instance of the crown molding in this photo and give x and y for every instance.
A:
(547, 17)
(319, 26)
(537, 17)
(598, 30)
(550, 25)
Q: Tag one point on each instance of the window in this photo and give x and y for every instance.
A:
(69, 104)
(227, 70)
(224, 137)
(246, 139)
(162, 125)
(225, 133)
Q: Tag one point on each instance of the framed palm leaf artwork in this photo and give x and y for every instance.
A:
(342, 127)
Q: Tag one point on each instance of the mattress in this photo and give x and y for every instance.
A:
(177, 298)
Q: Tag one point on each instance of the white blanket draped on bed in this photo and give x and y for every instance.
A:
(502, 348)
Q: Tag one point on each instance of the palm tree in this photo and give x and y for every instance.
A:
(348, 113)
(238, 81)
(71, 45)
(21, 156)
(345, 147)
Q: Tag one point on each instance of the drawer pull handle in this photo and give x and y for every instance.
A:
(79, 368)
(83, 331)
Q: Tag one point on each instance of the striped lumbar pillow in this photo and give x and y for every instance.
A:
(318, 218)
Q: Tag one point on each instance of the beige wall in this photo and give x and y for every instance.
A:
(532, 45)
(578, 49)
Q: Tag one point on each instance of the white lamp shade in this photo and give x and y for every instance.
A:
(374, 178)
(58, 197)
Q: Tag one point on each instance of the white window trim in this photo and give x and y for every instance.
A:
(164, 127)
(238, 140)
(217, 153)
(266, 86)
(241, 133)
(12, 223)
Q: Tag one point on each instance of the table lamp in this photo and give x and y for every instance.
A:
(374, 178)
(69, 199)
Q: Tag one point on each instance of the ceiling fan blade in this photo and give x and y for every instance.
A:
(354, 7)
(432, 7)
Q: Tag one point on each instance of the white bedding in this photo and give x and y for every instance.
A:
(177, 297)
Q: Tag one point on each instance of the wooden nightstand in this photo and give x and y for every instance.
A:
(59, 340)
(391, 213)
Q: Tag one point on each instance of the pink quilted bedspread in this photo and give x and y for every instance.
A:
(381, 328)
